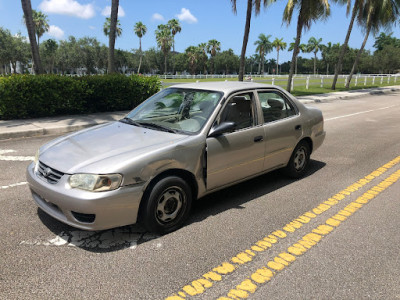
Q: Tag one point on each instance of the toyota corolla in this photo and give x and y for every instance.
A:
(182, 143)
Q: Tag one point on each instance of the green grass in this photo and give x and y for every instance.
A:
(300, 84)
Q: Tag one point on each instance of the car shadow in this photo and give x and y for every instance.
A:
(133, 235)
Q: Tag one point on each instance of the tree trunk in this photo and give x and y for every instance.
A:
(358, 57)
(262, 64)
(112, 35)
(344, 46)
(315, 63)
(295, 50)
(277, 62)
(165, 64)
(245, 39)
(140, 53)
(27, 8)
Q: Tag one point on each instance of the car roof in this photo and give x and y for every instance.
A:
(226, 87)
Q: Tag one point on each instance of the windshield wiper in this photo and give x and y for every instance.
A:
(129, 121)
(156, 126)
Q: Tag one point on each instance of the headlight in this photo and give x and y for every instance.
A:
(95, 183)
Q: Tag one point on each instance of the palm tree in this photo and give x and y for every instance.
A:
(250, 3)
(203, 56)
(278, 44)
(314, 46)
(358, 4)
(107, 26)
(309, 11)
(164, 41)
(213, 46)
(30, 26)
(41, 23)
(193, 54)
(302, 48)
(375, 14)
(140, 30)
(264, 46)
(175, 28)
(112, 35)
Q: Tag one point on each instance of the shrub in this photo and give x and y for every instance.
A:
(33, 96)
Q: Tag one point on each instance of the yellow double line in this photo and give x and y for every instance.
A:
(284, 259)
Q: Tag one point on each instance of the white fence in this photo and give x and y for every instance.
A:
(306, 81)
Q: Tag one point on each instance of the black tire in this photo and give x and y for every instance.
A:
(299, 161)
(166, 205)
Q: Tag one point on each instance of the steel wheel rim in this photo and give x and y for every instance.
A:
(170, 205)
(300, 158)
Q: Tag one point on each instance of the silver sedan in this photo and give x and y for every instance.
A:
(184, 142)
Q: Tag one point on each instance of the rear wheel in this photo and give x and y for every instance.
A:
(299, 161)
(167, 205)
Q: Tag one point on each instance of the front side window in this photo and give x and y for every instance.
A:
(176, 109)
(239, 110)
(275, 107)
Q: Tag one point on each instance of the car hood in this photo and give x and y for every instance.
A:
(77, 151)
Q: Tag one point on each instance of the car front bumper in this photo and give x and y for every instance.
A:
(83, 209)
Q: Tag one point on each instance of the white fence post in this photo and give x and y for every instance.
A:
(388, 79)
(356, 81)
(346, 78)
(365, 81)
(373, 80)
(307, 82)
(292, 84)
(273, 80)
(381, 79)
(322, 81)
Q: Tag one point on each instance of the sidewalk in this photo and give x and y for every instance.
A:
(60, 125)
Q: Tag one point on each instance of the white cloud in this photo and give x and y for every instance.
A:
(92, 27)
(186, 16)
(107, 11)
(157, 17)
(68, 7)
(56, 32)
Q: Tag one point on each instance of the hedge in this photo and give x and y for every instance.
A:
(34, 96)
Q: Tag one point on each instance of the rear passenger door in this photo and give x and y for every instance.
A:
(282, 127)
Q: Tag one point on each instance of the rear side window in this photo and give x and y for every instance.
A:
(275, 107)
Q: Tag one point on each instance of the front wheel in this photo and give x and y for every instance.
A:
(299, 160)
(167, 205)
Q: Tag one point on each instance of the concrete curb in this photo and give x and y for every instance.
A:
(51, 126)
(322, 98)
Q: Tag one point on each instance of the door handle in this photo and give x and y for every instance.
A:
(298, 127)
(258, 139)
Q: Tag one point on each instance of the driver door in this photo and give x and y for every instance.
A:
(236, 155)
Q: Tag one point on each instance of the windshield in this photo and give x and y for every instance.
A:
(176, 109)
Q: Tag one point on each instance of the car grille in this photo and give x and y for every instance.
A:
(50, 175)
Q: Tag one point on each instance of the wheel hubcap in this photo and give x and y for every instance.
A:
(300, 159)
(170, 204)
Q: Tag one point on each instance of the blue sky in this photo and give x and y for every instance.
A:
(200, 22)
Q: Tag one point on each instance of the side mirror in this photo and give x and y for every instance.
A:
(222, 128)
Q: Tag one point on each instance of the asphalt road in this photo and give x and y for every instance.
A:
(332, 234)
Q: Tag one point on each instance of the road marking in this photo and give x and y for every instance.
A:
(359, 113)
(283, 260)
(207, 280)
(12, 185)
(13, 158)
(124, 237)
